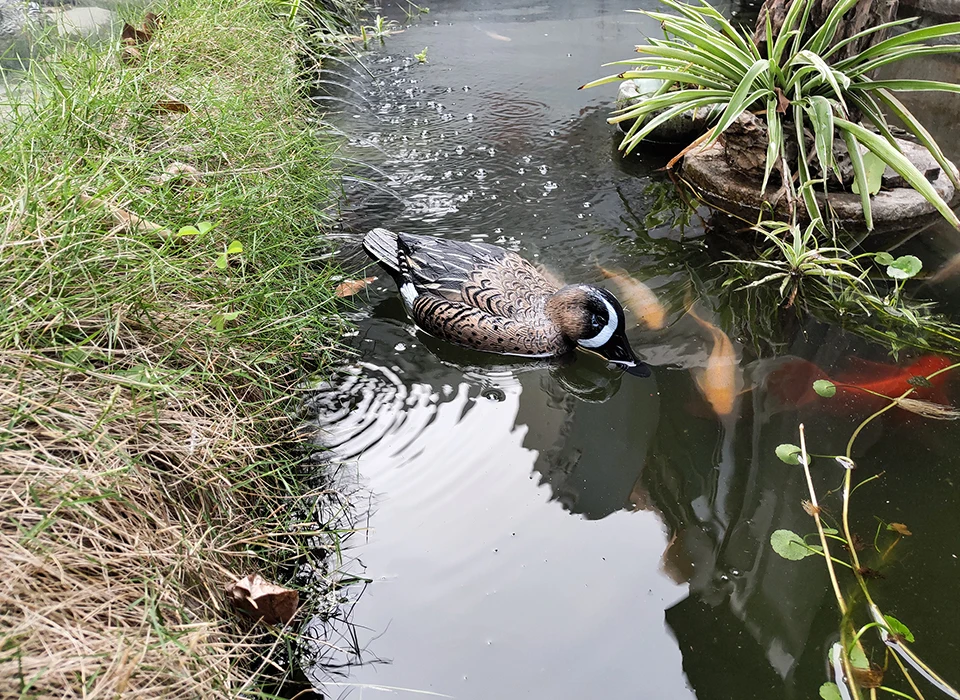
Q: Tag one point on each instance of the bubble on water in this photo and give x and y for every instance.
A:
(586, 205)
(423, 134)
(466, 88)
(549, 186)
(498, 230)
(579, 216)
(469, 117)
(480, 174)
(459, 150)
(447, 175)
(521, 171)
(552, 132)
(542, 169)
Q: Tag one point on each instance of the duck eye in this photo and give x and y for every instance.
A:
(595, 322)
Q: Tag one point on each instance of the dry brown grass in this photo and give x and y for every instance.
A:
(142, 450)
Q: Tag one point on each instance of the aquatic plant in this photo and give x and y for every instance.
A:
(852, 669)
(808, 85)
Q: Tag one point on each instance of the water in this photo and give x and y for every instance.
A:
(556, 530)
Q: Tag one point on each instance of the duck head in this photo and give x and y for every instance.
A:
(592, 318)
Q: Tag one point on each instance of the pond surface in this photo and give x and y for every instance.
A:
(559, 530)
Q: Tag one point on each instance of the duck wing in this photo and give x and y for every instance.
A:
(484, 276)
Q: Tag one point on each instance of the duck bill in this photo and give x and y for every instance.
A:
(619, 352)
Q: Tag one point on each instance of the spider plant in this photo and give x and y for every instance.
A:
(703, 60)
(794, 255)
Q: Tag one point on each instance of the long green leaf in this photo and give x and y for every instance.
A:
(741, 98)
(896, 160)
(693, 55)
(917, 36)
(867, 32)
(631, 140)
(654, 104)
(860, 175)
(786, 31)
(828, 30)
(825, 72)
(908, 85)
(821, 119)
(714, 42)
(806, 191)
(923, 136)
(856, 70)
(774, 140)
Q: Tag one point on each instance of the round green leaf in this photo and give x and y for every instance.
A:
(235, 247)
(904, 267)
(830, 691)
(858, 659)
(884, 258)
(825, 388)
(898, 628)
(788, 453)
(790, 545)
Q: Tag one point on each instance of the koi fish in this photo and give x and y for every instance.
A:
(721, 380)
(639, 299)
(792, 383)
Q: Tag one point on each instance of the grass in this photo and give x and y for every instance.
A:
(145, 456)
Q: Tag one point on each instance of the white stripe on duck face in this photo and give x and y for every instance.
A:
(601, 338)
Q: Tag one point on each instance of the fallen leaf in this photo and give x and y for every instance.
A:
(263, 600)
(182, 172)
(130, 55)
(900, 529)
(127, 220)
(133, 36)
(782, 102)
(350, 287)
(171, 106)
(809, 508)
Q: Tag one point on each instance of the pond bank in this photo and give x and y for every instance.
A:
(146, 455)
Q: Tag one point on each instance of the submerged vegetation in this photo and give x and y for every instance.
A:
(854, 669)
(160, 224)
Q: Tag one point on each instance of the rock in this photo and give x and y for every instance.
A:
(683, 128)
(722, 186)
(86, 22)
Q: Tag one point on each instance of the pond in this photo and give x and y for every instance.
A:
(559, 530)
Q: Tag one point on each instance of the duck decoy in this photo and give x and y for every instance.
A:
(483, 297)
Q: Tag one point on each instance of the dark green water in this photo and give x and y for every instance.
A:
(558, 530)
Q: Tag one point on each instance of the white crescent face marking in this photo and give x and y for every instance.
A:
(601, 338)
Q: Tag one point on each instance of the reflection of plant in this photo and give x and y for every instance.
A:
(848, 659)
(799, 85)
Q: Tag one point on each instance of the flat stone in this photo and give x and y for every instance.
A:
(944, 8)
(727, 189)
(83, 21)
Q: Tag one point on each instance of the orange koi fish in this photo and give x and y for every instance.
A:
(639, 299)
(721, 380)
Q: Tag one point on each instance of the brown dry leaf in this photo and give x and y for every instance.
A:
(127, 220)
(133, 36)
(171, 106)
(809, 508)
(868, 677)
(184, 173)
(130, 55)
(264, 600)
(350, 287)
(782, 102)
(900, 529)
(928, 409)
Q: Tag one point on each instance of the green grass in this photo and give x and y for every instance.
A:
(144, 391)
